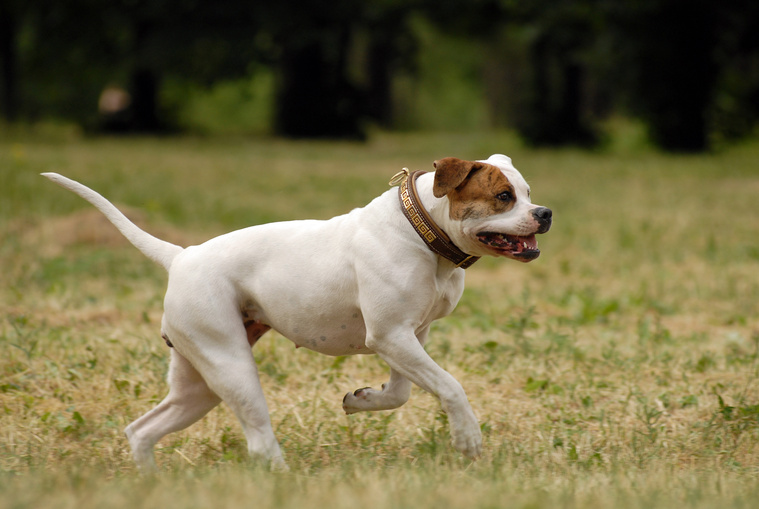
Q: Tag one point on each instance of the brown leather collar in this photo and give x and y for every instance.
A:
(435, 238)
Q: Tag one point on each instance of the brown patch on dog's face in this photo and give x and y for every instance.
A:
(484, 192)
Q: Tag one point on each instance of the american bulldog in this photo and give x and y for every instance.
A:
(367, 282)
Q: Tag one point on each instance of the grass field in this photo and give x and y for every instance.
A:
(620, 369)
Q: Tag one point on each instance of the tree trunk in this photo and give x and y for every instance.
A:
(553, 112)
(315, 99)
(570, 114)
(379, 93)
(8, 72)
(144, 90)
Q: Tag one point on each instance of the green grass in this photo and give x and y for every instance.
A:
(620, 369)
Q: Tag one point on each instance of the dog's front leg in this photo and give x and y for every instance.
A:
(406, 356)
(394, 393)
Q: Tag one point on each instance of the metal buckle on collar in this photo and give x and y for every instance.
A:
(399, 177)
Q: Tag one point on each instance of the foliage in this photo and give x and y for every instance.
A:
(554, 71)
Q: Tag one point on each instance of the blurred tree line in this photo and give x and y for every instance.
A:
(549, 69)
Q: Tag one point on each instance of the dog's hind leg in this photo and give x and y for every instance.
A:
(188, 400)
(226, 362)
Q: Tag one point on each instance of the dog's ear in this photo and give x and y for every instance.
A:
(450, 173)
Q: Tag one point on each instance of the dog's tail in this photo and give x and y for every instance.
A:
(158, 250)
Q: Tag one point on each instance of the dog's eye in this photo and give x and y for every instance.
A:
(505, 196)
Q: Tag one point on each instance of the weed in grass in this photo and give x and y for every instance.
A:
(649, 416)
(520, 322)
(23, 336)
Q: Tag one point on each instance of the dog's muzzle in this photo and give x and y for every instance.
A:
(543, 215)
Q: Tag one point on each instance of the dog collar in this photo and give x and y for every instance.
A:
(435, 238)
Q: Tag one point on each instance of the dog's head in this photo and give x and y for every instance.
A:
(490, 210)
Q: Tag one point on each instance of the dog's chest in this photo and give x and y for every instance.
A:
(336, 324)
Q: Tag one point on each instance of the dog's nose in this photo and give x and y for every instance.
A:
(543, 216)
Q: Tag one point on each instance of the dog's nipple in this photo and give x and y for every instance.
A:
(166, 338)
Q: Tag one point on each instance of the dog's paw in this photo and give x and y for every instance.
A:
(467, 438)
(358, 400)
(278, 465)
(470, 445)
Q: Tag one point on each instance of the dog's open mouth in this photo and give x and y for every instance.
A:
(524, 249)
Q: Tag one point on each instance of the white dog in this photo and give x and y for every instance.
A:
(370, 281)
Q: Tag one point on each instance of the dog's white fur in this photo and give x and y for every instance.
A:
(359, 283)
